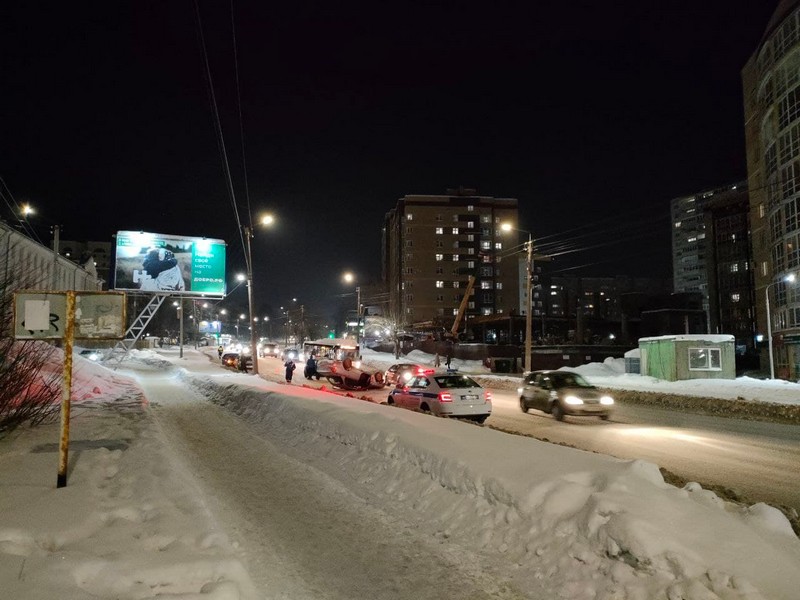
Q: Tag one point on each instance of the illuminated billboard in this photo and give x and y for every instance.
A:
(152, 262)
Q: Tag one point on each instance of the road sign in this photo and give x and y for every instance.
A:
(43, 315)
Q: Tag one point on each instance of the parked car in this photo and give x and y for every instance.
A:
(563, 393)
(349, 374)
(403, 372)
(230, 359)
(444, 395)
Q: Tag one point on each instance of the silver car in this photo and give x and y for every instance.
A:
(444, 395)
(563, 393)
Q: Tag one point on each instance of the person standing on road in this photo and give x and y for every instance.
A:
(436, 362)
(290, 366)
(219, 351)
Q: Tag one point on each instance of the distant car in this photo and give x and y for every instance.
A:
(92, 354)
(292, 353)
(563, 393)
(269, 350)
(444, 395)
(230, 359)
(403, 372)
(349, 374)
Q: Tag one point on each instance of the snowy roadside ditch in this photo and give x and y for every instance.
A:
(600, 526)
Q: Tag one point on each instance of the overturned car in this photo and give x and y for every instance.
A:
(349, 374)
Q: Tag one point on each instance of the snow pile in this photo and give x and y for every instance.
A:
(579, 524)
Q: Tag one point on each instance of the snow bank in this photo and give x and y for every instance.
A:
(593, 526)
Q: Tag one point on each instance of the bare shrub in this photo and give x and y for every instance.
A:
(28, 392)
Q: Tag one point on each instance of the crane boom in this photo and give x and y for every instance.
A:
(462, 307)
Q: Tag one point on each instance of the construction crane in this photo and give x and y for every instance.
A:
(462, 308)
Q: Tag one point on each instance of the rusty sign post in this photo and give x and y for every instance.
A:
(66, 391)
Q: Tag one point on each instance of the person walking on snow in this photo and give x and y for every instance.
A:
(290, 366)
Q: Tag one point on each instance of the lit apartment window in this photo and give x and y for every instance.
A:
(471, 237)
(409, 217)
(691, 239)
(498, 245)
(455, 257)
(470, 250)
(470, 208)
(761, 210)
(439, 230)
(455, 311)
(470, 224)
(486, 311)
(486, 219)
(735, 297)
(486, 285)
(735, 268)
(470, 305)
(455, 230)
(677, 224)
(440, 257)
(499, 285)
(456, 284)
(440, 284)
(486, 245)
(471, 264)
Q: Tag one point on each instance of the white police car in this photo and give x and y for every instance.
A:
(444, 394)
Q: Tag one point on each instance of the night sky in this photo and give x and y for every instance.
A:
(594, 115)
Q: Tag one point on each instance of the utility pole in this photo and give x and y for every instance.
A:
(253, 341)
(56, 242)
(529, 307)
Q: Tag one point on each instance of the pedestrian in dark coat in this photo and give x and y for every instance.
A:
(290, 366)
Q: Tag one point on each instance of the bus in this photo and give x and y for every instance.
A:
(334, 348)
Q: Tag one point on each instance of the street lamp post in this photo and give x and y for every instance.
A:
(248, 234)
(789, 278)
(529, 297)
(350, 278)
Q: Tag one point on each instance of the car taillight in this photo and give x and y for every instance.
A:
(488, 396)
(445, 397)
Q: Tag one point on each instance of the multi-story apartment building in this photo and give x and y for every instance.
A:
(432, 244)
(690, 244)
(730, 267)
(771, 85)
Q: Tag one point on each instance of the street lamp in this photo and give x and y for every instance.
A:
(350, 278)
(529, 297)
(789, 278)
(265, 220)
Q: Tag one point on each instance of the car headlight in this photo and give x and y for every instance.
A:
(407, 376)
(573, 400)
(606, 400)
(520, 390)
(357, 364)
